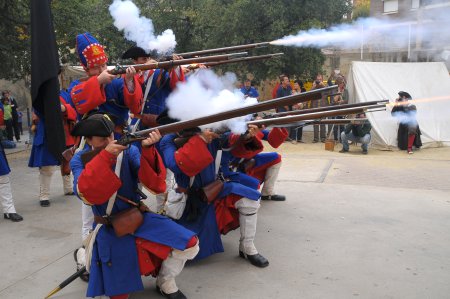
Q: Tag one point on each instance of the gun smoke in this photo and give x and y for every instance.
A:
(206, 93)
(140, 29)
(428, 31)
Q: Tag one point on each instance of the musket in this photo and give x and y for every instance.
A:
(66, 282)
(223, 50)
(128, 138)
(172, 63)
(339, 121)
(323, 109)
(316, 94)
(243, 59)
(285, 120)
(121, 69)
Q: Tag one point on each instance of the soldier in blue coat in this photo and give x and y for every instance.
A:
(158, 247)
(156, 84)
(9, 211)
(236, 205)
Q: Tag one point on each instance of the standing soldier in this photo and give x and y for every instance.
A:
(41, 156)
(9, 211)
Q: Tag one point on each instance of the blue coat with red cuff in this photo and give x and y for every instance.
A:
(115, 266)
(196, 158)
(113, 98)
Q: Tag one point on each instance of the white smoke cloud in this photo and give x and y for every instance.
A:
(408, 118)
(204, 94)
(378, 34)
(140, 29)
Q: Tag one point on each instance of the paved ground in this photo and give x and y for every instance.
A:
(354, 226)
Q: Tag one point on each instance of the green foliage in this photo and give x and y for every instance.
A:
(361, 9)
(15, 44)
(198, 24)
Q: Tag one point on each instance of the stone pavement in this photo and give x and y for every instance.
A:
(354, 226)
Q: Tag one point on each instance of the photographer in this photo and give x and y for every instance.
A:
(357, 131)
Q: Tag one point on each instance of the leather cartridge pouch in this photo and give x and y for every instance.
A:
(68, 153)
(126, 221)
(212, 190)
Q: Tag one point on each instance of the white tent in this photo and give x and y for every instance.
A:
(429, 85)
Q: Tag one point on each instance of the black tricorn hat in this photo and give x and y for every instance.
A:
(135, 52)
(98, 124)
(404, 94)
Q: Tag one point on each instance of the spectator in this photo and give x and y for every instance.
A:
(14, 117)
(20, 121)
(319, 129)
(296, 133)
(339, 100)
(357, 131)
(275, 89)
(408, 129)
(283, 91)
(248, 90)
(7, 117)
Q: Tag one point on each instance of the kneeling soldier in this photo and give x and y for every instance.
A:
(118, 255)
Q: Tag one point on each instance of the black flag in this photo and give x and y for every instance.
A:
(44, 76)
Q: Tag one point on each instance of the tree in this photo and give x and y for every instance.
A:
(361, 9)
(198, 24)
(15, 46)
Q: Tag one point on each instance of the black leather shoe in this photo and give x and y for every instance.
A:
(177, 295)
(273, 197)
(69, 193)
(365, 152)
(44, 203)
(255, 259)
(343, 151)
(14, 217)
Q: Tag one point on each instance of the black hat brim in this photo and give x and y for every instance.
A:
(99, 124)
(134, 53)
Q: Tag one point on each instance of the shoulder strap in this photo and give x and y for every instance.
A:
(112, 199)
(147, 90)
(218, 159)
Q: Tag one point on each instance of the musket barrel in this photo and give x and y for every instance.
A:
(244, 59)
(311, 116)
(328, 108)
(172, 63)
(224, 49)
(263, 106)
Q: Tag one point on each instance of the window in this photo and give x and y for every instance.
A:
(390, 6)
(415, 4)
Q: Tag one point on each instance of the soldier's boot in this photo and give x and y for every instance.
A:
(45, 177)
(170, 268)
(247, 220)
(267, 192)
(68, 184)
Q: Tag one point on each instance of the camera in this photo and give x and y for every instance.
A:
(317, 82)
